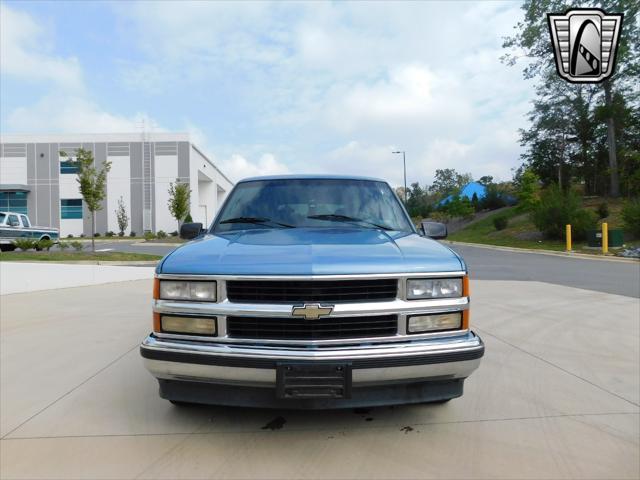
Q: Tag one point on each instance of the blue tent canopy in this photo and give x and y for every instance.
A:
(467, 191)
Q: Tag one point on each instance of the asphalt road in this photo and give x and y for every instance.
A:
(600, 275)
(609, 276)
(556, 396)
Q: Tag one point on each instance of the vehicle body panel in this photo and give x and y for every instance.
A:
(306, 251)
(9, 233)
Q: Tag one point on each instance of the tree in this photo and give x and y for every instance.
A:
(527, 190)
(447, 182)
(92, 182)
(179, 200)
(532, 41)
(486, 180)
(121, 217)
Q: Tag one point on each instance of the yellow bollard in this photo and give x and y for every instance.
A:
(568, 235)
(605, 238)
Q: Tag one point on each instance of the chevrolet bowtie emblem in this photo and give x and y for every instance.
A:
(311, 312)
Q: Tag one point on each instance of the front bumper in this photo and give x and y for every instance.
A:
(400, 372)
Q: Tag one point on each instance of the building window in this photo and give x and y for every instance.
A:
(70, 208)
(14, 202)
(68, 166)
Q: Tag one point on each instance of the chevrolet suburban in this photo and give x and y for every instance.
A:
(311, 292)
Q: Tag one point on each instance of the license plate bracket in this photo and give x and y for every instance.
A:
(327, 380)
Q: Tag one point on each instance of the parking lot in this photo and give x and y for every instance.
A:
(557, 396)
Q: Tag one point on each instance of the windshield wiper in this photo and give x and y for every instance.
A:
(345, 218)
(255, 220)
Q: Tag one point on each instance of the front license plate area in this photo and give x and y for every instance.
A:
(313, 381)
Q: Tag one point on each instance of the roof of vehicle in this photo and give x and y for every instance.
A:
(11, 213)
(311, 177)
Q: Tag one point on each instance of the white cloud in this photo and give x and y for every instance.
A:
(323, 87)
(238, 167)
(22, 46)
(56, 113)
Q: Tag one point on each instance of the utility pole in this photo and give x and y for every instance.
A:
(404, 165)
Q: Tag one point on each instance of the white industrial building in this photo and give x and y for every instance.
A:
(35, 179)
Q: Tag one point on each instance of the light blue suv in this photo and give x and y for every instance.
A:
(311, 292)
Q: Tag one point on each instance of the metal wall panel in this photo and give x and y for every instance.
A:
(136, 186)
(43, 185)
(31, 181)
(86, 214)
(54, 163)
(183, 161)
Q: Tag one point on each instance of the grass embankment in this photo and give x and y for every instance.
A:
(522, 233)
(517, 234)
(76, 256)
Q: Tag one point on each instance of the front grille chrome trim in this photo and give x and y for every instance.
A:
(398, 306)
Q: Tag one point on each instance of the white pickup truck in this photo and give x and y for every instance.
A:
(14, 226)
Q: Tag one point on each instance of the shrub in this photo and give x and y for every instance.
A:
(501, 222)
(44, 244)
(631, 217)
(149, 235)
(63, 246)
(132, 234)
(24, 244)
(82, 235)
(556, 209)
(459, 207)
(442, 217)
(70, 236)
(97, 234)
(603, 210)
(77, 246)
(161, 234)
(493, 199)
(174, 233)
(121, 234)
(110, 234)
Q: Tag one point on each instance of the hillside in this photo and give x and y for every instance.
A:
(522, 233)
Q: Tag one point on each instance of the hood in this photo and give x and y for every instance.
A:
(310, 251)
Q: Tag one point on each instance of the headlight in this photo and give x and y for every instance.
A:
(434, 323)
(184, 290)
(420, 288)
(188, 325)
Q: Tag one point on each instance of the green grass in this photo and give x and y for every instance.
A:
(520, 226)
(30, 256)
(484, 232)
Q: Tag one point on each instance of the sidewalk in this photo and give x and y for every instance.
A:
(19, 277)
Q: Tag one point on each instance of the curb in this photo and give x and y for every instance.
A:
(159, 244)
(574, 255)
(122, 263)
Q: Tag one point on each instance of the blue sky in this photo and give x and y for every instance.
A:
(276, 87)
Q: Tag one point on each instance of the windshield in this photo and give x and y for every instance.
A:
(317, 203)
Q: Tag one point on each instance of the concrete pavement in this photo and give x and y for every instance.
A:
(557, 396)
(19, 277)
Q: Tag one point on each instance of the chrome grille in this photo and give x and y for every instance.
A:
(328, 328)
(327, 291)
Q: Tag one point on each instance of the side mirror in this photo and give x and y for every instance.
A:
(189, 231)
(434, 230)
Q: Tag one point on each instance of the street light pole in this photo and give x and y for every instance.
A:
(404, 164)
